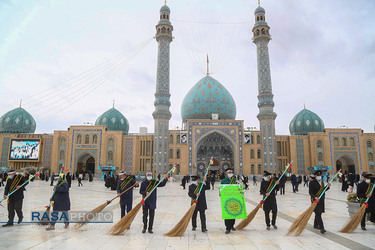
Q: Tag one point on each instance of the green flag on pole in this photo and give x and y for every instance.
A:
(233, 204)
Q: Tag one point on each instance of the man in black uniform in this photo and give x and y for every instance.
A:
(126, 199)
(201, 203)
(270, 203)
(316, 187)
(363, 192)
(15, 200)
(230, 179)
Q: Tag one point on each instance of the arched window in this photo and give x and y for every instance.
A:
(79, 139)
(369, 144)
(372, 169)
(263, 31)
(258, 139)
(335, 141)
(110, 142)
(61, 155)
(257, 18)
(62, 141)
(259, 169)
(343, 141)
(252, 169)
(171, 139)
(171, 154)
(257, 32)
(251, 153)
(178, 154)
(319, 144)
(251, 139)
(163, 16)
(259, 154)
(178, 140)
(261, 17)
(351, 141)
(320, 157)
(370, 157)
(95, 139)
(110, 156)
(87, 139)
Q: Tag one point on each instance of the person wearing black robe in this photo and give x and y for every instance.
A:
(126, 199)
(270, 203)
(230, 179)
(15, 200)
(90, 177)
(69, 179)
(315, 188)
(363, 192)
(183, 182)
(201, 206)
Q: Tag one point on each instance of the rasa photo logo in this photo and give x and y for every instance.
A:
(71, 217)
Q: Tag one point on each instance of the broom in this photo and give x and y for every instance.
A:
(353, 223)
(127, 220)
(301, 222)
(252, 214)
(100, 208)
(181, 226)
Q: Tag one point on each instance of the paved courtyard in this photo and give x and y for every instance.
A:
(173, 202)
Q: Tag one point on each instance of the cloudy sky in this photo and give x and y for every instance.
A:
(68, 60)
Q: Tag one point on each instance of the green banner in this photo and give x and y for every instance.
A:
(233, 204)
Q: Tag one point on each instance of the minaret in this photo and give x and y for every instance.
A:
(161, 114)
(266, 116)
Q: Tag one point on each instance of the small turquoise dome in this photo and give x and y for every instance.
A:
(114, 120)
(306, 122)
(207, 97)
(165, 8)
(17, 121)
(259, 10)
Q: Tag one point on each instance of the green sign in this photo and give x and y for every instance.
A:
(233, 204)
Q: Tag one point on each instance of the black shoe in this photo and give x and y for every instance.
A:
(233, 229)
(323, 230)
(8, 225)
(363, 228)
(194, 228)
(227, 231)
(274, 226)
(204, 230)
(268, 227)
(19, 221)
(143, 231)
(150, 231)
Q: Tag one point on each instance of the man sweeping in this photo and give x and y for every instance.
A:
(201, 206)
(229, 179)
(126, 199)
(14, 182)
(150, 204)
(363, 192)
(316, 188)
(270, 203)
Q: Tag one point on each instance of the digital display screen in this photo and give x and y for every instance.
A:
(24, 150)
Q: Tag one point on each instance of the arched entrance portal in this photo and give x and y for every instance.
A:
(86, 163)
(346, 164)
(217, 146)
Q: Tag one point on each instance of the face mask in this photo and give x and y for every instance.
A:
(149, 178)
(367, 181)
(195, 182)
(265, 178)
(319, 178)
(230, 175)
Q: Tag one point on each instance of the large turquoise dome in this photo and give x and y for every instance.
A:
(114, 120)
(17, 121)
(207, 97)
(306, 122)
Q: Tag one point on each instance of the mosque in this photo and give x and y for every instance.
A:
(210, 129)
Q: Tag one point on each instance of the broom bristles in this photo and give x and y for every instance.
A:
(300, 223)
(181, 226)
(126, 221)
(249, 218)
(91, 215)
(353, 223)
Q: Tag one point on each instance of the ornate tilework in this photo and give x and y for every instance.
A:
(128, 154)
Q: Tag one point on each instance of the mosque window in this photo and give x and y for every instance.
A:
(171, 139)
(110, 142)
(261, 17)
(171, 154)
(252, 169)
(319, 144)
(259, 169)
(79, 139)
(320, 157)
(87, 139)
(370, 157)
(369, 144)
(335, 141)
(95, 139)
(61, 155)
(251, 139)
(351, 141)
(257, 18)
(178, 154)
(148, 148)
(259, 154)
(258, 139)
(63, 141)
(257, 32)
(343, 141)
(110, 156)
(263, 31)
(163, 30)
(278, 148)
(178, 139)
(252, 154)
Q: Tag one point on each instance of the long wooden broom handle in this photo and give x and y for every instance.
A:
(289, 165)
(205, 175)
(338, 172)
(126, 190)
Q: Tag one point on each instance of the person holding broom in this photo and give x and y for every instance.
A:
(201, 204)
(270, 203)
(229, 179)
(15, 200)
(150, 204)
(126, 199)
(363, 192)
(316, 187)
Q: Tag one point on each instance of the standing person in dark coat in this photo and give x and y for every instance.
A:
(150, 204)
(52, 179)
(201, 204)
(212, 180)
(344, 180)
(183, 184)
(80, 176)
(351, 178)
(282, 184)
(363, 192)
(270, 203)
(230, 179)
(316, 187)
(293, 180)
(15, 200)
(90, 177)
(126, 199)
(69, 179)
(61, 200)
